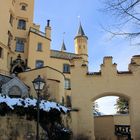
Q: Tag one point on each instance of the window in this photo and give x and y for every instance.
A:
(63, 101)
(22, 24)
(15, 92)
(20, 45)
(39, 63)
(10, 37)
(68, 101)
(1, 52)
(23, 6)
(11, 19)
(66, 68)
(67, 84)
(39, 47)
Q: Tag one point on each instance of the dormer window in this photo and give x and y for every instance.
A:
(21, 24)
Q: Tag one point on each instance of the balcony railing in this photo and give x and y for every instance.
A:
(37, 32)
(123, 130)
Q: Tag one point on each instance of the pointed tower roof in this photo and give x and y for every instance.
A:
(80, 32)
(63, 48)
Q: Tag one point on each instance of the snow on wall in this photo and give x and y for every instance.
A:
(44, 105)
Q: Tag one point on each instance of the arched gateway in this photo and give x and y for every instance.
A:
(87, 87)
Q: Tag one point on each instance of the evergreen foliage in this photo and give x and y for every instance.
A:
(122, 106)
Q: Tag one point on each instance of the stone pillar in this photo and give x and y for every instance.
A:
(83, 121)
(135, 118)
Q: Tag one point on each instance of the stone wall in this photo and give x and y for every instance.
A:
(105, 126)
(13, 127)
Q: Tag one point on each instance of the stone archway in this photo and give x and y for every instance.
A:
(112, 127)
(83, 120)
(17, 69)
(87, 87)
(18, 65)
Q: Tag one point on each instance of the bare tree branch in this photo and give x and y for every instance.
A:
(127, 14)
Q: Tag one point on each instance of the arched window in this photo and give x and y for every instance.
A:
(15, 92)
(21, 24)
(23, 6)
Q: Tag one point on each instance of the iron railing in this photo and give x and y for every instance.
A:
(123, 130)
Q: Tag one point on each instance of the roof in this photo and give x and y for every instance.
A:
(63, 55)
(63, 48)
(80, 32)
(136, 56)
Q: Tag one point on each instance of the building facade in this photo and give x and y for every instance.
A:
(26, 52)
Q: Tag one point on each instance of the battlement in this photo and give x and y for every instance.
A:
(108, 67)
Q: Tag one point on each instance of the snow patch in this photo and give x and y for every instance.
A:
(44, 105)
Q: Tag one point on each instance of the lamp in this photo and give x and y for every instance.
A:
(38, 84)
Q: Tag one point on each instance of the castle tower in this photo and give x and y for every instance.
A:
(81, 45)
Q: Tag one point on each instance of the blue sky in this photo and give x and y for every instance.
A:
(64, 18)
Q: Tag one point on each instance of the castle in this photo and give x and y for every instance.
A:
(26, 52)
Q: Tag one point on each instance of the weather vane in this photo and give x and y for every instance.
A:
(79, 19)
(63, 35)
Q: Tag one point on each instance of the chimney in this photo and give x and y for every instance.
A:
(48, 30)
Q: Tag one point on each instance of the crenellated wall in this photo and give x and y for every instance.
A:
(87, 87)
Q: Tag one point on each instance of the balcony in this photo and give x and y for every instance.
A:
(37, 32)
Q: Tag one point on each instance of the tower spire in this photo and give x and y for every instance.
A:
(80, 32)
(81, 45)
(63, 48)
